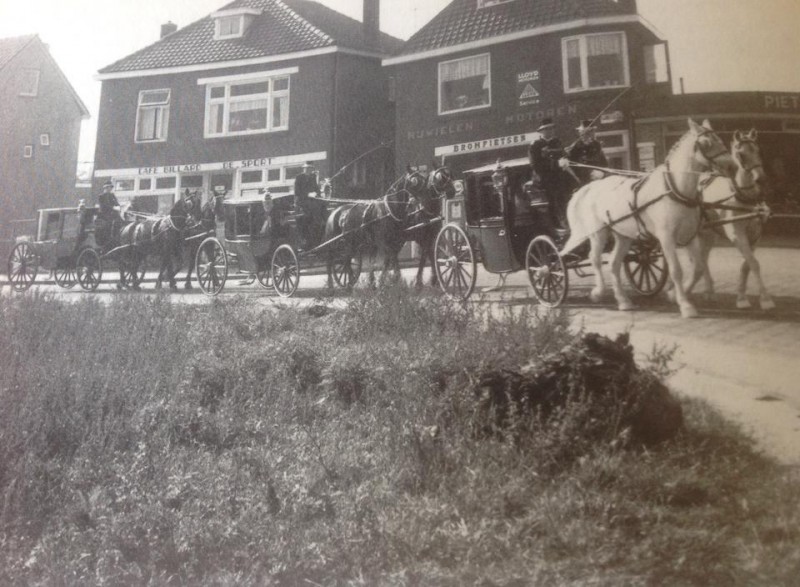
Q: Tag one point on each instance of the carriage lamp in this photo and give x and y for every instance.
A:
(499, 178)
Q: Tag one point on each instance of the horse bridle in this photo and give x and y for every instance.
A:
(710, 158)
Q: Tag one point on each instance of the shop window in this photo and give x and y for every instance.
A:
(29, 82)
(596, 61)
(247, 107)
(616, 148)
(124, 185)
(152, 116)
(191, 182)
(465, 84)
(166, 183)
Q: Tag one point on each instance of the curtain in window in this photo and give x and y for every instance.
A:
(248, 115)
(604, 45)
(456, 70)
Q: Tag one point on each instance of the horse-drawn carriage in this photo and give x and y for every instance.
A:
(508, 225)
(66, 245)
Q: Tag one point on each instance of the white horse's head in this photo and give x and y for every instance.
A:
(709, 150)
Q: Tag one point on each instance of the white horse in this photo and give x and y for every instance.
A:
(729, 199)
(665, 203)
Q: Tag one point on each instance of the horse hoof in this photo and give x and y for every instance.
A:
(625, 306)
(689, 312)
(188, 286)
(767, 304)
(596, 295)
(743, 304)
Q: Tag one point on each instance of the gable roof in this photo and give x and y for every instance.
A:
(11, 46)
(283, 27)
(462, 21)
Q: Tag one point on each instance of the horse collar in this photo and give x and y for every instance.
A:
(674, 193)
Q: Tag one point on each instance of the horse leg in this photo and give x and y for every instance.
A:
(698, 255)
(187, 283)
(669, 247)
(598, 242)
(419, 280)
(621, 246)
(750, 264)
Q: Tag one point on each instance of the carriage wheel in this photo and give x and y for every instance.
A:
(347, 271)
(646, 268)
(22, 266)
(455, 262)
(546, 271)
(211, 266)
(64, 274)
(285, 271)
(88, 270)
(264, 275)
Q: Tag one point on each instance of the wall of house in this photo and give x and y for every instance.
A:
(482, 135)
(310, 122)
(363, 122)
(47, 178)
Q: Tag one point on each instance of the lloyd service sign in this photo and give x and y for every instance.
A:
(529, 87)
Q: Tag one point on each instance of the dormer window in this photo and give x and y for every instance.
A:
(233, 23)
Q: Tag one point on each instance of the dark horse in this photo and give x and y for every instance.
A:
(425, 219)
(162, 236)
(205, 225)
(380, 228)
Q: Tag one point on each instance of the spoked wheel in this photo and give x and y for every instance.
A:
(285, 271)
(646, 268)
(211, 266)
(346, 271)
(455, 265)
(546, 271)
(131, 271)
(264, 274)
(88, 270)
(64, 274)
(22, 266)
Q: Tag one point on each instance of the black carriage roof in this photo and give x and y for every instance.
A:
(518, 162)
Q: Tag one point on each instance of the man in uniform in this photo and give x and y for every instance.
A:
(587, 150)
(544, 154)
(304, 185)
(109, 221)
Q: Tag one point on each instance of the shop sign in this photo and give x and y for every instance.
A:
(529, 87)
(612, 117)
(781, 102)
(486, 144)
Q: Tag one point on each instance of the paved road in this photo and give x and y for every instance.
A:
(745, 362)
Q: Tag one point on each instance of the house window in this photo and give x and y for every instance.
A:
(596, 61)
(152, 116)
(465, 84)
(29, 82)
(44, 139)
(247, 107)
(616, 148)
(27, 151)
(655, 64)
(229, 26)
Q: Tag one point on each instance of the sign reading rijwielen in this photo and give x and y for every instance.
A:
(487, 144)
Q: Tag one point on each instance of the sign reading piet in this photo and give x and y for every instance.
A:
(529, 87)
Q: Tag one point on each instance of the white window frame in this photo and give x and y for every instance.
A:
(162, 109)
(488, 57)
(584, 55)
(226, 101)
(490, 3)
(44, 139)
(34, 82)
(27, 151)
(624, 150)
(219, 35)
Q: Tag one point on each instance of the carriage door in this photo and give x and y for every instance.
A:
(494, 235)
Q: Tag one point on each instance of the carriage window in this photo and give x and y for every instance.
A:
(72, 223)
(465, 84)
(52, 226)
(248, 107)
(152, 116)
(595, 61)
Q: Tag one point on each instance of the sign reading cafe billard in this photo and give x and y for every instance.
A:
(257, 163)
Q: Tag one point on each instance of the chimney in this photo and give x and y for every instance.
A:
(168, 29)
(372, 22)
